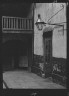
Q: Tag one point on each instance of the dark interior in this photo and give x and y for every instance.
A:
(14, 52)
(15, 9)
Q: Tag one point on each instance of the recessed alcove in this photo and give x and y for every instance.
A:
(17, 53)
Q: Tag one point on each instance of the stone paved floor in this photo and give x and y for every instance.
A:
(24, 79)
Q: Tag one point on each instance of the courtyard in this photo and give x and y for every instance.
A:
(23, 79)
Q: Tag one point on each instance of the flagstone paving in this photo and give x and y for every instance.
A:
(27, 80)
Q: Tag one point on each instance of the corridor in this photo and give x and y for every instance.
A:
(22, 79)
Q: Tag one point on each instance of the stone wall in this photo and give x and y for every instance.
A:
(59, 38)
(38, 65)
(59, 73)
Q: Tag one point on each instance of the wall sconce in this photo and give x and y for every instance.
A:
(40, 23)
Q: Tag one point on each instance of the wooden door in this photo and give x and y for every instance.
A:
(48, 56)
(48, 51)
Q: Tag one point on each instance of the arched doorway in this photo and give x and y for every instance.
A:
(17, 54)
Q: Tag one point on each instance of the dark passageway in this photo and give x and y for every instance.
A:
(14, 53)
(12, 50)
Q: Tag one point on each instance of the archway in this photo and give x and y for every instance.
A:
(16, 54)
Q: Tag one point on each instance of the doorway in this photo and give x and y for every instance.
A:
(47, 37)
(17, 54)
(20, 56)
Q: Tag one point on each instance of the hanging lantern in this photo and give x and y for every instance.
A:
(39, 23)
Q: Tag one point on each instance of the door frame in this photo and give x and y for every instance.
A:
(47, 34)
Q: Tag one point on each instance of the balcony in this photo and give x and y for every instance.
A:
(16, 24)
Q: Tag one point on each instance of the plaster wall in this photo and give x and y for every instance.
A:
(38, 38)
(59, 40)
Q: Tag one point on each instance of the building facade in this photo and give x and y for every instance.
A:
(44, 51)
(50, 43)
(17, 34)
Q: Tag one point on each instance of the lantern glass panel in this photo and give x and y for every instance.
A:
(40, 26)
